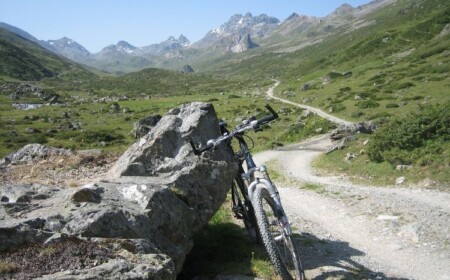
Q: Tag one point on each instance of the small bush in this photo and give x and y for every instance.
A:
(409, 139)
(357, 114)
(392, 105)
(404, 85)
(367, 104)
(338, 107)
(91, 136)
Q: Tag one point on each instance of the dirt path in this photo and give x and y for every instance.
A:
(349, 231)
(353, 232)
(312, 109)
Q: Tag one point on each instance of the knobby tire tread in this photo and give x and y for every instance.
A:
(266, 236)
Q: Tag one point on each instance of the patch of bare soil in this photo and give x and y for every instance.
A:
(59, 171)
(36, 260)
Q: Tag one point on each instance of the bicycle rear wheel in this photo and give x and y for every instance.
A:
(243, 209)
(277, 240)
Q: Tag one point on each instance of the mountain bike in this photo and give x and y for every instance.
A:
(255, 199)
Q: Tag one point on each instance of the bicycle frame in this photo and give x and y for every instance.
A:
(255, 198)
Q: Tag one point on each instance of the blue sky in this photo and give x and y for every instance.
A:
(98, 23)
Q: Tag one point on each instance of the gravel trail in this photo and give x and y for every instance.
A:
(349, 231)
(312, 109)
(362, 232)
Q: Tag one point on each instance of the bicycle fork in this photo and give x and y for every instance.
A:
(273, 192)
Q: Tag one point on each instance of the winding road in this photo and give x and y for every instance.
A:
(356, 231)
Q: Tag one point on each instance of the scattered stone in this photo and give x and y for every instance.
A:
(400, 180)
(410, 233)
(426, 183)
(31, 130)
(306, 87)
(403, 167)
(350, 156)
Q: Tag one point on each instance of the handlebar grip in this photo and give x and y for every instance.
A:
(267, 119)
(272, 111)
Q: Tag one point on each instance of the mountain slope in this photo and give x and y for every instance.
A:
(69, 49)
(25, 60)
(375, 70)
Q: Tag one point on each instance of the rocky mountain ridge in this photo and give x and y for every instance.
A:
(238, 34)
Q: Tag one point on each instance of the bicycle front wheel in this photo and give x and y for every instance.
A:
(277, 240)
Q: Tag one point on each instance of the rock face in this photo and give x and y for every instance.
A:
(144, 125)
(152, 202)
(245, 43)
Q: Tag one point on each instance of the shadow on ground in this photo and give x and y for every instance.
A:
(331, 259)
(225, 249)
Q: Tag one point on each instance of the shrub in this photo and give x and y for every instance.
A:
(357, 114)
(407, 140)
(367, 104)
(337, 107)
(92, 136)
(392, 105)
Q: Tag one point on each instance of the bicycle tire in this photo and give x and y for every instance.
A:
(246, 210)
(283, 252)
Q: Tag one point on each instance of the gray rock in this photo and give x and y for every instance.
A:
(403, 167)
(143, 126)
(187, 69)
(35, 151)
(400, 180)
(150, 204)
(305, 87)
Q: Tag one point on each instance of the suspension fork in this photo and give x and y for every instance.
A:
(252, 182)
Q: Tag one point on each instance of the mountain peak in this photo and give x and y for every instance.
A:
(344, 9)
(124, 46)
(292, 16)
(243, 24)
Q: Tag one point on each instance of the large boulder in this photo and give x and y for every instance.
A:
(156, 196)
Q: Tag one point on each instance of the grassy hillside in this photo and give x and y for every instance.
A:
(24, 60)
(399, 60)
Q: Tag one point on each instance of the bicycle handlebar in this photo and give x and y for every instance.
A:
(246, 125)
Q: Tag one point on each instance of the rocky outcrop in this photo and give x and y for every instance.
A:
(245, 43)
(187, 69)
(341, 135)
(33, 152)
(147, 209)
